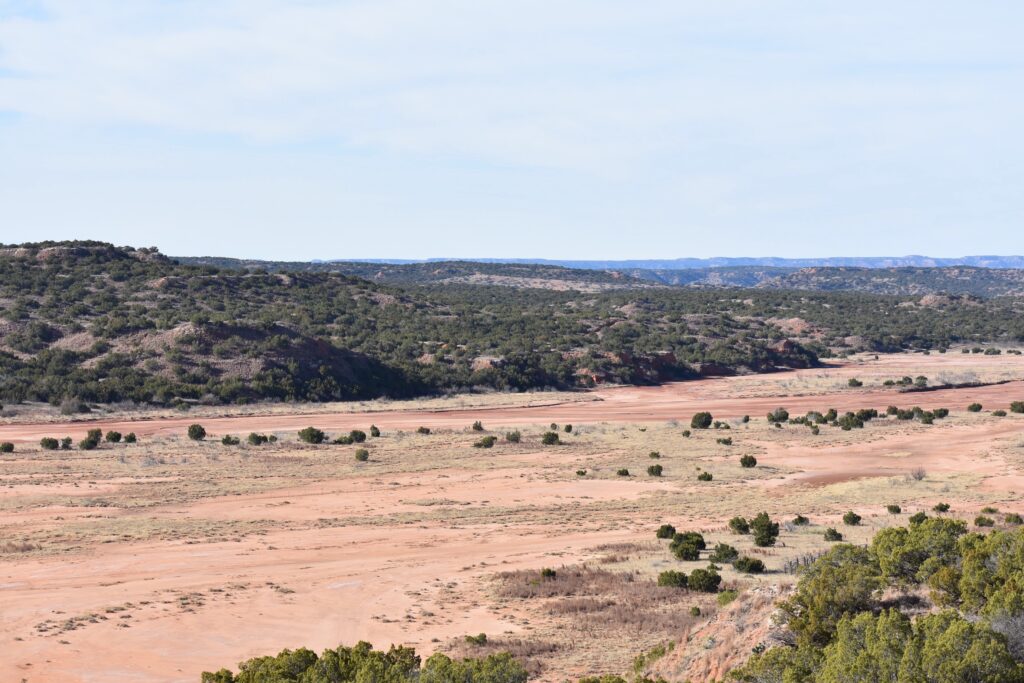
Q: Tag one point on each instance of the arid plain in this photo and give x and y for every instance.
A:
(158, 560)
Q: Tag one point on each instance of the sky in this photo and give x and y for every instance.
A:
(578, 129)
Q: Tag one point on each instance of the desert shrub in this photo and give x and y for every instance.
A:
(982, 520)
(815, 430)
(312, 435)
(362, 455)
(548, 574)
(892, 410)
(672, 579)
(726, 597)
(778, 415)
(255, 439)
(918, 474)
(423, 430)
(374, 431)
(567, 429)
(196, 432)
(719, 424)
(893, 509)
(701, 420)
(723, 552)
(745, 419)
(113, 437)
(478, 426)
(831, 415)
(130, 438)
(622, 472)
(851, 518)
(749, 565)
(800, 520)
(513, 437)
(87, 444)
(704, 580)
(479, 639)
(940, 413)
(665, 531)
(687, 545)
(695, 611)
(1013, 518)
(654, 470)
(486, 442)
(344, 440)
(65, 443)
(49, 443)
(229, 440)
(999, 413)
(748, 461)
(974, 408)
(940, 507)
(765, 530)
(727, 441)
(357, 436)
(917, 518)
(854, 383)
(832, 535)
(6, 447)
(739, 525)
(581, 473)
(705, 476)
(850, 421)
(654, 455)
(550, 439)
(95, 434)
(1017, 407)
(686, 433)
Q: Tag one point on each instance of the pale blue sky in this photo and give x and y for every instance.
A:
(573, 129)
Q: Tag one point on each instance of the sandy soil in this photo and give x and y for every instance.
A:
(157, 561)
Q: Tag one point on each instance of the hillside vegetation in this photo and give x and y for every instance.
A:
(94, 322)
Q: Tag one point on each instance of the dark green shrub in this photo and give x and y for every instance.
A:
(701, 420)
(548, 574)
(851, 518)
(778, 415)
(486, 442)
(478, 426)
(312, 435)
(344, 440)
(113, 437)
(6, 447)
(567, 429)
(727, 441)
(550, 439)
(749, 565)
(800, 520)
(87, 444)
(374, 431)
(654, 455)
(686, 433)
(622, 472)
(581, 473)
(49, 443)
(893, 509)
(940, 507)
(229, 440)
(704, 580)
(479, 639)
(1017, 407)
(362, 455)
(513, 437)
(196, 432)
(1013, 519)
(65, 443)
(255, 439)
(423, 430)
(832, 536)
(695, 611)
(917, 518)
(130, 437)
(665, 531)
(739, 525)
(982, 520)
(95, 435)
(705, 476)
(672, 579)
(999, 413)
(974, 408)
(723, 552)
(748, 461)
(989, 510)
(854, 383)
(765, 530)
(357, 436)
